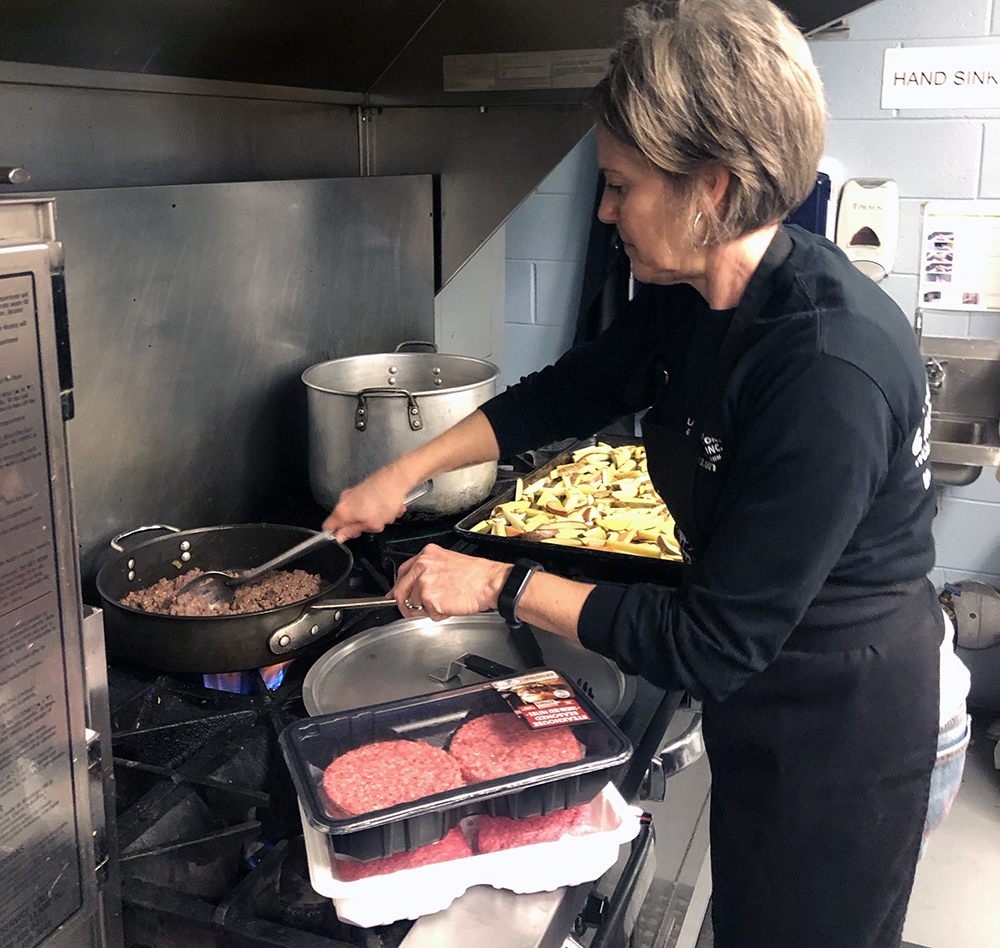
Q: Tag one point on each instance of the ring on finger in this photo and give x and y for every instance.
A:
(413, 606)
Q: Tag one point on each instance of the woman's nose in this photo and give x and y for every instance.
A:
(607, 212)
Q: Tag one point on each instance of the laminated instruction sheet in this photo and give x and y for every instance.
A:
(960, 256)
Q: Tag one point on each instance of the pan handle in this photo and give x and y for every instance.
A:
(309, 627)
(116, 540)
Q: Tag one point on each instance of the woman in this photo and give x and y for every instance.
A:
(787, 433)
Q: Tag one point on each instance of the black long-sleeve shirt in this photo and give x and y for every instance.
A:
(819, 479)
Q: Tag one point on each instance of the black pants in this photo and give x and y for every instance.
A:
(820, 777)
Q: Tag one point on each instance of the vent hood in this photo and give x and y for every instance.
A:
(379, 69)
(384, 49)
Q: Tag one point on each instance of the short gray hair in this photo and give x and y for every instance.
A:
(730, 83)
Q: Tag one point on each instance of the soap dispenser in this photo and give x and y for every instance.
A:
(868, 224)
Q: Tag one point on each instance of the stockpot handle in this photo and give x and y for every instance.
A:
(412, 409)
(671, 759)
(116, 540)
(416, 342)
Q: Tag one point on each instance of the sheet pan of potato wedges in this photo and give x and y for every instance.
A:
(592, 504)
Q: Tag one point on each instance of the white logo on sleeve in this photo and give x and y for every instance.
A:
(921, 446)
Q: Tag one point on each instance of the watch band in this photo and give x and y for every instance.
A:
(517, 581)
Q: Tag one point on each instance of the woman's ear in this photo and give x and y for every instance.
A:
(715, 181)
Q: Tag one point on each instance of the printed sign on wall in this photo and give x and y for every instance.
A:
(941, 77)
(960, 256)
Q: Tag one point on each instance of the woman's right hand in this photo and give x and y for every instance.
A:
(378, 499)
(369, 506)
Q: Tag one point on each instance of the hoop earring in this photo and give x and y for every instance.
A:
(698, 243)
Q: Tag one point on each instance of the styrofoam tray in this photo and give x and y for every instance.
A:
(541, 867)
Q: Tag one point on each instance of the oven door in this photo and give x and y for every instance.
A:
(52, 803)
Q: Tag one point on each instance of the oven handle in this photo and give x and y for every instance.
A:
(671, 759)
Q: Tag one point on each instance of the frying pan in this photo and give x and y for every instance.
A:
(223, 643)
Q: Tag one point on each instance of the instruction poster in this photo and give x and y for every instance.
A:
(960, 256)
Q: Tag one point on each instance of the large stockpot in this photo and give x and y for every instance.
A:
(365, 411)
(223, 643)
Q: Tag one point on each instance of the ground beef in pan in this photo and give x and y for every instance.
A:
(274, 589)
(498, 745)
(453, 846)
(501, 832)
(383, 774)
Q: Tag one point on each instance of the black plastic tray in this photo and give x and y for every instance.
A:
(311, 744)
(587, 563)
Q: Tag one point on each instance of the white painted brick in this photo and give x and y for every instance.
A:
(910, 227)
(995, 25)
(902, 289)
(949, 324)
(938, 578)
(989, 184)
(904, 19)
(928, 158)
(519, 292)
(966, 533)
(852, 77)
(557, 292)
(984, 325)
(549, 227)
(530, 348)
(576, 173)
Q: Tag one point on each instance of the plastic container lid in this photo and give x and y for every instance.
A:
(543, 697)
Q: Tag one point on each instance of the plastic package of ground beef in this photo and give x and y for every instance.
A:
(584, 851)
(395, 777)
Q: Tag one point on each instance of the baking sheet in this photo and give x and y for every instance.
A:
(578, 562)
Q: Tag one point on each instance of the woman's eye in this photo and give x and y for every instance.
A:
(615, 188)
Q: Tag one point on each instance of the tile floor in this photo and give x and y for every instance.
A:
(957, 888)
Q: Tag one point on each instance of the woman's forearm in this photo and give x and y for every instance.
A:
(554, 604)
(470, 441)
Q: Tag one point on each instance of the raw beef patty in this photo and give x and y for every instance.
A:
(501, 832)
(383, 774)
(498, 745)
(453, 846)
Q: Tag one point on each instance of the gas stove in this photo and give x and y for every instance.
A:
(208, 828)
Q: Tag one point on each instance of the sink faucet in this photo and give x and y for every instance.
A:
(935, 372)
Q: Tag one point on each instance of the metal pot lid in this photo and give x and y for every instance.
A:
(398, 660)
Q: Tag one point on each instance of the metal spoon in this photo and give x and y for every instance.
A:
(218, 588)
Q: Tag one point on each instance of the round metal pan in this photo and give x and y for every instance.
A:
(225, 643)
(406, 658)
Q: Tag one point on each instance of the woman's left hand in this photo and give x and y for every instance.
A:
(439, 583)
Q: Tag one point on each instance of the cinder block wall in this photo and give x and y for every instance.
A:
(546, 246)
(932, 154)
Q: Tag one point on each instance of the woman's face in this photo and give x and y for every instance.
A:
(653, 220)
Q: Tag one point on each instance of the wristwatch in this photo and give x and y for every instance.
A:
(513, 589)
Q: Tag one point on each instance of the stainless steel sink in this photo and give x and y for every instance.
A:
(964, 379)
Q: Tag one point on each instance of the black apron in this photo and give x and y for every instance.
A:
(820, 764)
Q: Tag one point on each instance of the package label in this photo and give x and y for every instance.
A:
(542, 699)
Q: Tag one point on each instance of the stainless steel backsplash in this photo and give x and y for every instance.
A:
(193, 311)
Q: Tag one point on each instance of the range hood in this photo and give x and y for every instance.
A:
(396, 99)
(382, 49)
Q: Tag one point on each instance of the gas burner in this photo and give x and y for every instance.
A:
(208, 824)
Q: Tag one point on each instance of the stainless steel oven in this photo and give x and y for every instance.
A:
(57, 847)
